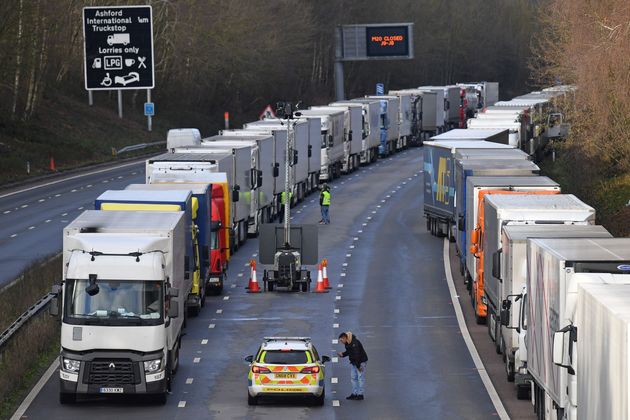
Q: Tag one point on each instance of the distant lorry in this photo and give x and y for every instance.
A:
(353, 129)
(390, 134)
(210, 221)
(498, 209)
(370, 134)
(167, 200)
(332, 144)
(603, 322)
(121, 303)
(439, 181)
(510, 266)
(555, 269)
(404, 119)
(494, 135)
(377, 127)
(199, 164)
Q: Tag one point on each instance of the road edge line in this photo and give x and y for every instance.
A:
(35, 391)
(483, 374)
(63, 179)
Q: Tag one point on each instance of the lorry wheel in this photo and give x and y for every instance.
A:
(509, 370)
(304, 287)
(67, 398)
(251, 400)
(270, 286)
(160, 399)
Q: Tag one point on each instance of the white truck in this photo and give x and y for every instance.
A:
(332, 141)
(353, 133)
(502, 209)
(121, 303)
(555, 269)
(370, 132)
(405, 117)
(390, 114)
(510, 266)
(517, 129)
(308, 139)
(201, 164)
(261, 174)
(603, 320)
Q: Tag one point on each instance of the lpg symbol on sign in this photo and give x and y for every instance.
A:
(113, 62)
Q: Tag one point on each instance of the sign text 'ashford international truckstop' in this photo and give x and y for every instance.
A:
(118, 47)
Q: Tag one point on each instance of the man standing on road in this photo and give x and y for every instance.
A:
(358, 361)
(324, 203)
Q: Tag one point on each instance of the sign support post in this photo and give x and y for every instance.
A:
(339, 82)
(149, 118)
(90, 98)
(120, 107)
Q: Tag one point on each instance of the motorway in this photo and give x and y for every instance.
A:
(32, 218)
(389, 288)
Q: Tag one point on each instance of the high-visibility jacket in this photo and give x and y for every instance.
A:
(283, 197)
(325, 198)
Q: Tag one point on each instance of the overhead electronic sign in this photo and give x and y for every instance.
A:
(387, 41)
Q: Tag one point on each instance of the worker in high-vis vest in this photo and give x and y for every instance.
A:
(324, 204)
(283, 202)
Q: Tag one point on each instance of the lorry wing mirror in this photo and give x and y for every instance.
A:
(53, 306)
(558, 348)
(496, 264)
(93, 288)
(173, 292)
(295, 157)
(249, 359)
(252, 178)
(276, 169)
(259, 178)
(310, 150)
(235, 193)
(330, 140)
(461, 223)
(505, 317)
(173, 309)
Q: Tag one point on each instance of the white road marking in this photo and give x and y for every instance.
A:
(31, 227)
(41, 200)
(88, 186)
(64, 214)
(359, 231)
(335, 360)
(120, 177)
(80, 208)
(233, 286)
(73, 191)
(239, 275)
(57, 195)
(181, 404)
(337, 297)
(211, 326)
(105, 182)
(378, 206)
(370, 217)
(345, 264)
(335, 403)
(14, 235)
(388, 196)
(336, 311)
(340, 286)
(52, 369)
(382, 201)
(189, 381)
(364, 224)
(219, 311)
(492, 392)
(197, 360)
(343, 274)
(254, 255)
(356, 238)
(47, 221)
(204, 341)
(246, 264)
(334, 380)
(351, 246)
(226, 298)
(335, 325)
(24, 206)
(6, 212)
(134, 173)
(335, 341)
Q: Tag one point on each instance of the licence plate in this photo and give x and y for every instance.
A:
(111, 390)
(286, 375)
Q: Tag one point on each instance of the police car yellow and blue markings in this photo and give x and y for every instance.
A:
(291, 371)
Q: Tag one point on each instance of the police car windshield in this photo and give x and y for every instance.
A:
(277, 357)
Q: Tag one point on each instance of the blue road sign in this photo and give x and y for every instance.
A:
(380, 89)
(149, 109)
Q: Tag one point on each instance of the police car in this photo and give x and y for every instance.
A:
(286, 366)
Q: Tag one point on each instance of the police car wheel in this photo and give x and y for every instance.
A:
(251, 400)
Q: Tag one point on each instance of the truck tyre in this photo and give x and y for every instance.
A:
(67, 398)
(270, 286)
(251, 400)
(304, 287)
(509, 370)
(160, 399)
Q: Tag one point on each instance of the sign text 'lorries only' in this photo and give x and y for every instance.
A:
(118, 47)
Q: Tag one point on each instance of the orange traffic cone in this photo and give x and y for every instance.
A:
(325, 273)
(253, 285)
(320, 281)
(52, 164)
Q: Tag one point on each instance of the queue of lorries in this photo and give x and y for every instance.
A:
(551, 285)
(146, 257)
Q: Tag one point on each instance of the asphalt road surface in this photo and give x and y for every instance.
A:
(32, 220)
(389, 288)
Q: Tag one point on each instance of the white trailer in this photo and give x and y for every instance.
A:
(517, 129)
(371, 127)
(437, 94)
(417, 115)
(405, 117)
(555, 269)
(332, 144)
(261, 173)
(123, 293)
(353, 129)
(190, 164)
(510, 266)
(603, 323)
(307, 140)
(390, 112)
(452, 104)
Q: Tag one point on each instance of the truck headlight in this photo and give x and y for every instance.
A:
(70, 365)
(152, 366)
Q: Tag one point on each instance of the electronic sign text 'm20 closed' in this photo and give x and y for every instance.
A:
(118, 49)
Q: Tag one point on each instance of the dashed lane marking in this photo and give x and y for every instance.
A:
(73, 191)
(6, 212)
(343, 274)
(197, 360)
(88, 186)
(364, 224)
(333, 380)
(336, 311)
(340, 286)
(335, 341)
(47, 221)
(24, 206)
(204, 341)
(239, 275)
(335, 403)
(348, 255)
(344, 264)
(219, 311)
(226, 298)
(57, 195)
(189, 381)
(360, 231)
(335, 325)
(337, 297)
(14, 235)
(41, 200)
(351, 247)
(211, 326)
(181, 404)
(31, 227)
(233, 286)
(64, 214)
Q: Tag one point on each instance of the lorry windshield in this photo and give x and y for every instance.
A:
(214, 240)
(118, 302)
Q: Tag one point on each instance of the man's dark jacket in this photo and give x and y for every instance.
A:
(355, 351)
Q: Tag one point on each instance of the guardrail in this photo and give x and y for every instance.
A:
(138, 146)
(23, 319)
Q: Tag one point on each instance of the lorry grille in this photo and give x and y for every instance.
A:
(114, 372)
